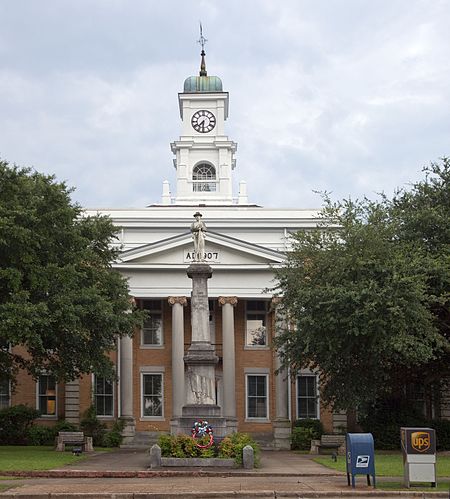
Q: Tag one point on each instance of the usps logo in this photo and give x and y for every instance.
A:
(362, 461)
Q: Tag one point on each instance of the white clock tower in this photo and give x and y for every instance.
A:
(204, 156)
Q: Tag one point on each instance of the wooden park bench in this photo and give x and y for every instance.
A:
(75, 438)
(329, 443)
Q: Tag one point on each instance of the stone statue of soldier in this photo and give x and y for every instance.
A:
(198, 229)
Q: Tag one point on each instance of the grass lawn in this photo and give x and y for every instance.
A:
(386, 464)
(18, 458)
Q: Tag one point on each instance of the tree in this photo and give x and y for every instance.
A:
(367, 293)
(62, 306)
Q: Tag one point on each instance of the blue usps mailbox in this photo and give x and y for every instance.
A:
(360, 455)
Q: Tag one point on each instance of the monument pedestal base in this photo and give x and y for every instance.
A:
(207, 412)
(232, 425)
(201, 411)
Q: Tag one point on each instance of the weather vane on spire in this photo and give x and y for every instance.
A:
(202, 42)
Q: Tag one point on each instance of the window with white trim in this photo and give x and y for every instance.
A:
(152, 330)
(46, 395)
(255, 325)
(103, 396)
(5, 395)
(152, 395)
(257, 398)
(204, 177)
(307, 396)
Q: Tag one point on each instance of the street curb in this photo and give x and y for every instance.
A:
(156, 473)
(241, 494)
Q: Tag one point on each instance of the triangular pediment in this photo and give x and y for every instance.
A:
(220, 250)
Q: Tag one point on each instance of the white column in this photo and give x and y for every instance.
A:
(177, 303)
(281, 389)
(281, 380)
(126, 385)
(126, 377)
(282, 424)
(229, 359)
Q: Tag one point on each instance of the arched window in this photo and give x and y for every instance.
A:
(204, 177)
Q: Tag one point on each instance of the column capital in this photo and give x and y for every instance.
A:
(177, 299)
(232, 300)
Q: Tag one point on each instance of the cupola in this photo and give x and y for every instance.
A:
(198, 84)
(203, 82)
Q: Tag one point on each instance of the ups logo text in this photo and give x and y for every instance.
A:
(420, 441)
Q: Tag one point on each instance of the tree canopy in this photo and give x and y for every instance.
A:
(62, 306)
(368, 293)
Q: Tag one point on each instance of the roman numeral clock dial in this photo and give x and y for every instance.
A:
(203, 121)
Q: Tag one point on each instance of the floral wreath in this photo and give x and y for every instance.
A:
(200, 429)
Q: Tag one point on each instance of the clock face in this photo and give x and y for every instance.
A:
(203, 121)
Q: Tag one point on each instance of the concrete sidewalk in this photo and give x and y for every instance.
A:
(274, 462)
(282, 474)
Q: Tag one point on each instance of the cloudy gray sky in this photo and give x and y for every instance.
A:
(347, 96)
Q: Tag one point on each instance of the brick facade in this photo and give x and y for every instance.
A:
(248, 359)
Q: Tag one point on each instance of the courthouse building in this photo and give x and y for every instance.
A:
(244, 243)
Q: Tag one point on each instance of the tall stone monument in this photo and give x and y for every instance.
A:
(200, 359)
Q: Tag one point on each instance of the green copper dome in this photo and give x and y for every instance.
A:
(203, 82)
(195, 84)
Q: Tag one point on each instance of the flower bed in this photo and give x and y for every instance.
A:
(182, 450)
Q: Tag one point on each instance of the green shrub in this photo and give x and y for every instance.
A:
(92, 426)
(184, 446)
(304, 431)
(442, 427)
(226, 449)
(232, 447)
(63, 425)
(40, 435)
(315, 425)
(301, 438)
(181, 446)
(385, 419)
(15, 422)
(165, 443)
(45, 435)
(113, 438)
(210, 451)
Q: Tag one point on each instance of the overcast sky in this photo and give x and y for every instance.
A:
(347, 96)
